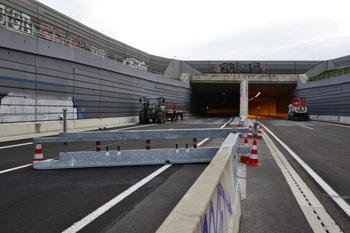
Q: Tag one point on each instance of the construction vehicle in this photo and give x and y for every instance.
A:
(298, 109)
(152, 110)
(174, 111)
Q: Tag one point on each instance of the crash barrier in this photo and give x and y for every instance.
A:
(148, 156)
(212, 204)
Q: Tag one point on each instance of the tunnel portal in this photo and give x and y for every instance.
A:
(217, 94)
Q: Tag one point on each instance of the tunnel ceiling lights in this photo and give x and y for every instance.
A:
(256, 96)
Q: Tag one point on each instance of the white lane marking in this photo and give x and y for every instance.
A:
(133, 127)
(23, 166)
(306, 127)
(15, 168)
(206, 139)
(91, 217)
(314, 211)
(333, 194)
(10, 146)
(326, 123)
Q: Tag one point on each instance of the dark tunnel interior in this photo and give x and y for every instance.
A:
(267, 100)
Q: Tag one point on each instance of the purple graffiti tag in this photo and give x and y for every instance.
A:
(217, 218)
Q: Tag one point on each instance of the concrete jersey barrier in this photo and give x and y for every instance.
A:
(212, 204)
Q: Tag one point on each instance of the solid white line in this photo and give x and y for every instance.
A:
(133, 127)
(306, 127)
(23, 144)
(23, 166)
(15, 168)
(333, 194)
(91, 217)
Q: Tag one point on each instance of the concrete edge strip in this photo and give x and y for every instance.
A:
(333, 194)
(95, 214)
(315, 213)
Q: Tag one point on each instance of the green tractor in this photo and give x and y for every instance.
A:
(152, 110)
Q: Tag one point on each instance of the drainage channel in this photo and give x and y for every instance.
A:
(318, 218)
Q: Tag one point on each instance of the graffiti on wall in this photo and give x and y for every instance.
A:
(15, 19)
(235, 67)
(219, 217)
(49, 32)
(19, 21)
(133, 62)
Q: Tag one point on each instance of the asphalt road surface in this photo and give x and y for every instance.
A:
(325, 147)
(54, 200)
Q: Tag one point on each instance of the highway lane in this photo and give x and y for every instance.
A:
(53, 200)
(325, 148)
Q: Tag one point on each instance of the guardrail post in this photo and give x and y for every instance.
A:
(65, 128)
(194, 142)
(148, 144)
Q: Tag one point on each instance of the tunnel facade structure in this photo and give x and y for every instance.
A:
(266, 95)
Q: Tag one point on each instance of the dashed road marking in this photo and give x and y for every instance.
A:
(306, 127)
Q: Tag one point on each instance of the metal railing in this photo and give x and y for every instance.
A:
(57, 35)
(331, 74)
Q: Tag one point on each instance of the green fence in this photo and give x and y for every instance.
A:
(331, 74)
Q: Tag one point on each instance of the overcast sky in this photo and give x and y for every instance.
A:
(221, 29)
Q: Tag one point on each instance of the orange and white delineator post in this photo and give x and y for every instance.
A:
(253, 160)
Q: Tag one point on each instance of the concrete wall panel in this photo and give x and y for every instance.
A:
(88, 59)
(54, 64)
(16, 41)
(55, 81)
(54, 73)
(14, 56)
(50, 49)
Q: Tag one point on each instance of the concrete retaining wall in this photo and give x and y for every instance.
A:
(336, 119)
(38, 78)
(212, 201)
(7, 130)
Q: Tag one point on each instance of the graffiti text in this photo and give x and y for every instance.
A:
(235, 67)
(219, 218)
(15, 19)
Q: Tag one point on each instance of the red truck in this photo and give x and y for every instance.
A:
(298, 109)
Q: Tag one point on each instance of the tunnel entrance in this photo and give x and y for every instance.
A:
(215, 99)
(267, 100)
(272, 102)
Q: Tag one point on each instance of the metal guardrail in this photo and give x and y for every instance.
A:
(137, 135)
(135, 157)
